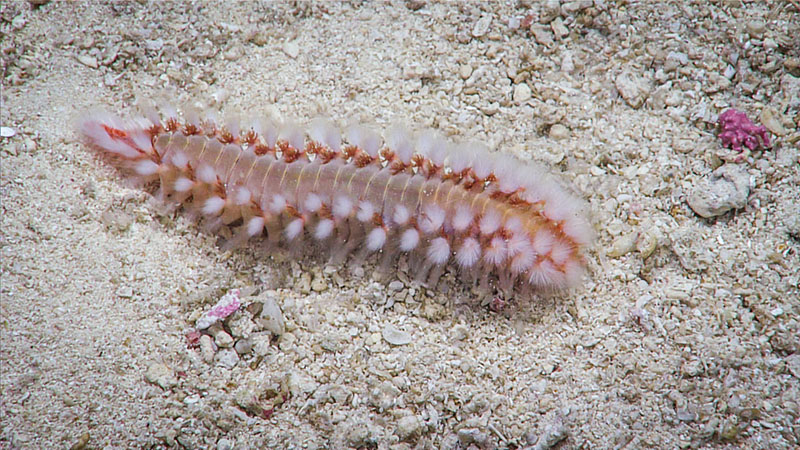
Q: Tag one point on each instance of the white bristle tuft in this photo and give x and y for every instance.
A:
(233, 124)
(401, 215)
(141, 138)
(376, 238)
(324, 132)
(255, 226)
(249, 123)
(342, 207)
(398, 139)
(560, 253)
(183, 184)
(409, 240)
(578, 229)
(242, 196)
(542, 274)
(324, 229)
(365, 211)
(483, 160)
(149, 110)
(209, 116)
(461, 157)
(207, 174)
(504, 171)
(557, 206)
(312, 203)
(489, 223)
(433, 146)
(179, 159)
(93, 130)
(371, 143)
(463, 218)
(168, 110)
(191, 116)
(432, 219)
(522, 261)
(439, 251)
(145, 167)
(543, 242)
(277, 204)
(364, 138)
(293, 135)
(294, 229)
(495, 254)
(558, 280)
(469, 253)
(519, 243)
(213, 206)
(267, 130)
(521, 174)
(530, 175)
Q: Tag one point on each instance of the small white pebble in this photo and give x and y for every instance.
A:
(161, 375)
(396, 286)
(522, 93)
(207, 348)
(272, 317)
(291, 49)
(395, 336)
(226, 358)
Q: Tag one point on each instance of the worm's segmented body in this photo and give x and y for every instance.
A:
(492, 215)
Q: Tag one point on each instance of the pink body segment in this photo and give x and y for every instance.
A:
(496, 216)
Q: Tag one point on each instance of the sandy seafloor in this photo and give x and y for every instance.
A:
(684, 333)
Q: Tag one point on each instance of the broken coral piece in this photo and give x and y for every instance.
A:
(226, 306)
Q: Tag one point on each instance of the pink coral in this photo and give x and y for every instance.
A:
(226, 306)
(737, 130)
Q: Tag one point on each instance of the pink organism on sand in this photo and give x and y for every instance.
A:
(226, 306)
(736, 130)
